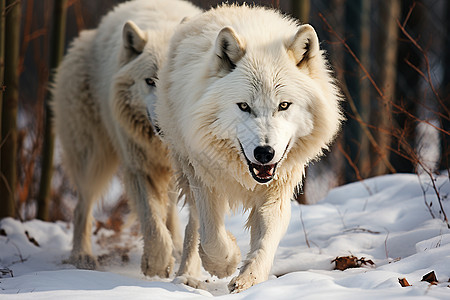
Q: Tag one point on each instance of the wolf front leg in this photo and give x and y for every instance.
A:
(218, 249)
(190, 266)
(172, 221)
(149, 195)
(268, 223)
(81, 255)
(91, 174)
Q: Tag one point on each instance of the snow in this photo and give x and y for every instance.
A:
(387, 219)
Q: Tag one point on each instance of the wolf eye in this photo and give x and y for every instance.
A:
(150, 82)
(284, 106)
(244, 106)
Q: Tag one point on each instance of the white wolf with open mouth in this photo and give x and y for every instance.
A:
(245, 100)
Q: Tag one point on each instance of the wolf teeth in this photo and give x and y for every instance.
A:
(255, 171)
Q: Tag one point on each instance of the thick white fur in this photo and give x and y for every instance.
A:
(100, 107)
(226, 56)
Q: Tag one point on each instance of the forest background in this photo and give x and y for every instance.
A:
(391, 57)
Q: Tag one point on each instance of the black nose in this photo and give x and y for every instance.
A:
(264, 154)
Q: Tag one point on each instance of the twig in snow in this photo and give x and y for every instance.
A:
(359, 229)
(428, 205)
(6, 271)
(385, 244)
(304, 229)
(21, 258)
(342, 217)
(436, 191)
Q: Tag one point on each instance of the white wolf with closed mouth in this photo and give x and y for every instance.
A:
(100, 95)
(245, 101)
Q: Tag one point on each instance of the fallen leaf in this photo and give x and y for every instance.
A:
(346, 262)
(363, 261)
(431, 278)
(403, 282)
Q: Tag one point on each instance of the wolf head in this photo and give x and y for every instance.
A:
(134, 84)
(246, 95)
(268, 96)
(139, 59)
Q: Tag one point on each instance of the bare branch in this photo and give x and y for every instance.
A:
(304, 229)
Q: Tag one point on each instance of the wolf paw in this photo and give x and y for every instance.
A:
(241, 283)
(157, 265)
(222, 266)
(82, 261)
(190, 281)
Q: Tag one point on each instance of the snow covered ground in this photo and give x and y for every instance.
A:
(384, 220)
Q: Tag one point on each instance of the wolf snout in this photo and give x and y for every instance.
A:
(264, 154)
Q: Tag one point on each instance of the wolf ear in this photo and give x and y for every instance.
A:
(229, 49)
(304, 45)
(134, 39)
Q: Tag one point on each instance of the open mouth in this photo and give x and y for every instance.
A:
(262, 173)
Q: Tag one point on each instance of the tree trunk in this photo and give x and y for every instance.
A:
(8, 153)
(336, 159)
(388, 42)
(364, 107)
(3, 204)
(357, 23)
(445, 92)
(2, 57)
(57, 50)
(301, 10)
(407, 89)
